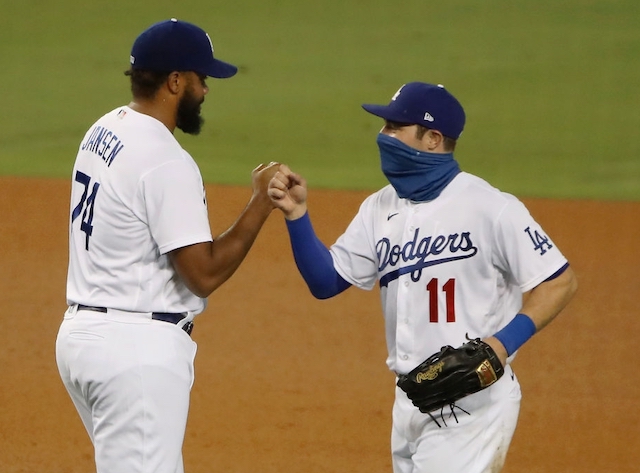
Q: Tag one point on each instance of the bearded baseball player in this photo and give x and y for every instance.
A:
(142, 259)
(454, 259)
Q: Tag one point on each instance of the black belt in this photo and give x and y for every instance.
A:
(164, 316)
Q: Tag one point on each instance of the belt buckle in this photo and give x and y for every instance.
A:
(188, 327)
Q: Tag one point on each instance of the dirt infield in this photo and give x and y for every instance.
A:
(286, 383)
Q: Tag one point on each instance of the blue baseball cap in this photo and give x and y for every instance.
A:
(429, 105)
(174, 45)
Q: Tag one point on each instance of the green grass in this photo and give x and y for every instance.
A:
(549, 87)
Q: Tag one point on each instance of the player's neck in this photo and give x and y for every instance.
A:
(158, 109)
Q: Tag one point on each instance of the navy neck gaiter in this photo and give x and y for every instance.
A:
(415, 175)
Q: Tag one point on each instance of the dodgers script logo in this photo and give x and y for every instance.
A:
(421, 253)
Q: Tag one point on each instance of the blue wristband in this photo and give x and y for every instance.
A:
(516, 333)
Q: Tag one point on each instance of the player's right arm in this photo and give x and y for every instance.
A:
(288, 191)
(206, 266)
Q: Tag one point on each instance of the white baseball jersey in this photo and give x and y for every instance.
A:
(135, 196)
(451, 267)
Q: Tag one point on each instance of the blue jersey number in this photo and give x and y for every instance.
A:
(85, 206)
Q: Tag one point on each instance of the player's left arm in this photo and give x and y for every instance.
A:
(545, 301)
(541, 305)
(525, 252)
(205, 266)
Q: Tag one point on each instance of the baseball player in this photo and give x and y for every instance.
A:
(454, 259)
(142, 259)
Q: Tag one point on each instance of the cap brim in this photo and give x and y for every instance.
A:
(386, 112)
(221, 70)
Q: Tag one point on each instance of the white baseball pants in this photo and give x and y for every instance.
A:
(130, 379)
(476, 443)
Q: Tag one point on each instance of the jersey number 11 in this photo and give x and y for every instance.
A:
(449, 289)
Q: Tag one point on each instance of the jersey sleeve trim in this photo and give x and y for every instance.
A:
(556, 270)
(192, 240)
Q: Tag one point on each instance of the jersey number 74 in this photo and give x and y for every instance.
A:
(85, 206)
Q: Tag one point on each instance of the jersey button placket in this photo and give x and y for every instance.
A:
(404, 329)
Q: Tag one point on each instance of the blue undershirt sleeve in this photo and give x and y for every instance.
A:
(314, 260)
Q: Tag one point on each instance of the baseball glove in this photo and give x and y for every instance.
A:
(451, 374)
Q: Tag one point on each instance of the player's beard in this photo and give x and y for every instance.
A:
(188, 117)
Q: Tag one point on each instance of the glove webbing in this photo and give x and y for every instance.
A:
(452, 407)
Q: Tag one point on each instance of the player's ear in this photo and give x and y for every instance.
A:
(433, 139)
(173, 82)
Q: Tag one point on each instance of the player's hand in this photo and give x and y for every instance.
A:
(288, 192)
(260, 178)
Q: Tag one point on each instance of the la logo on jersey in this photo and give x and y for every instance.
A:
(540, 241)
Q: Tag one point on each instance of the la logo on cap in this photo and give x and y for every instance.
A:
(210, 42)
(395, 96)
